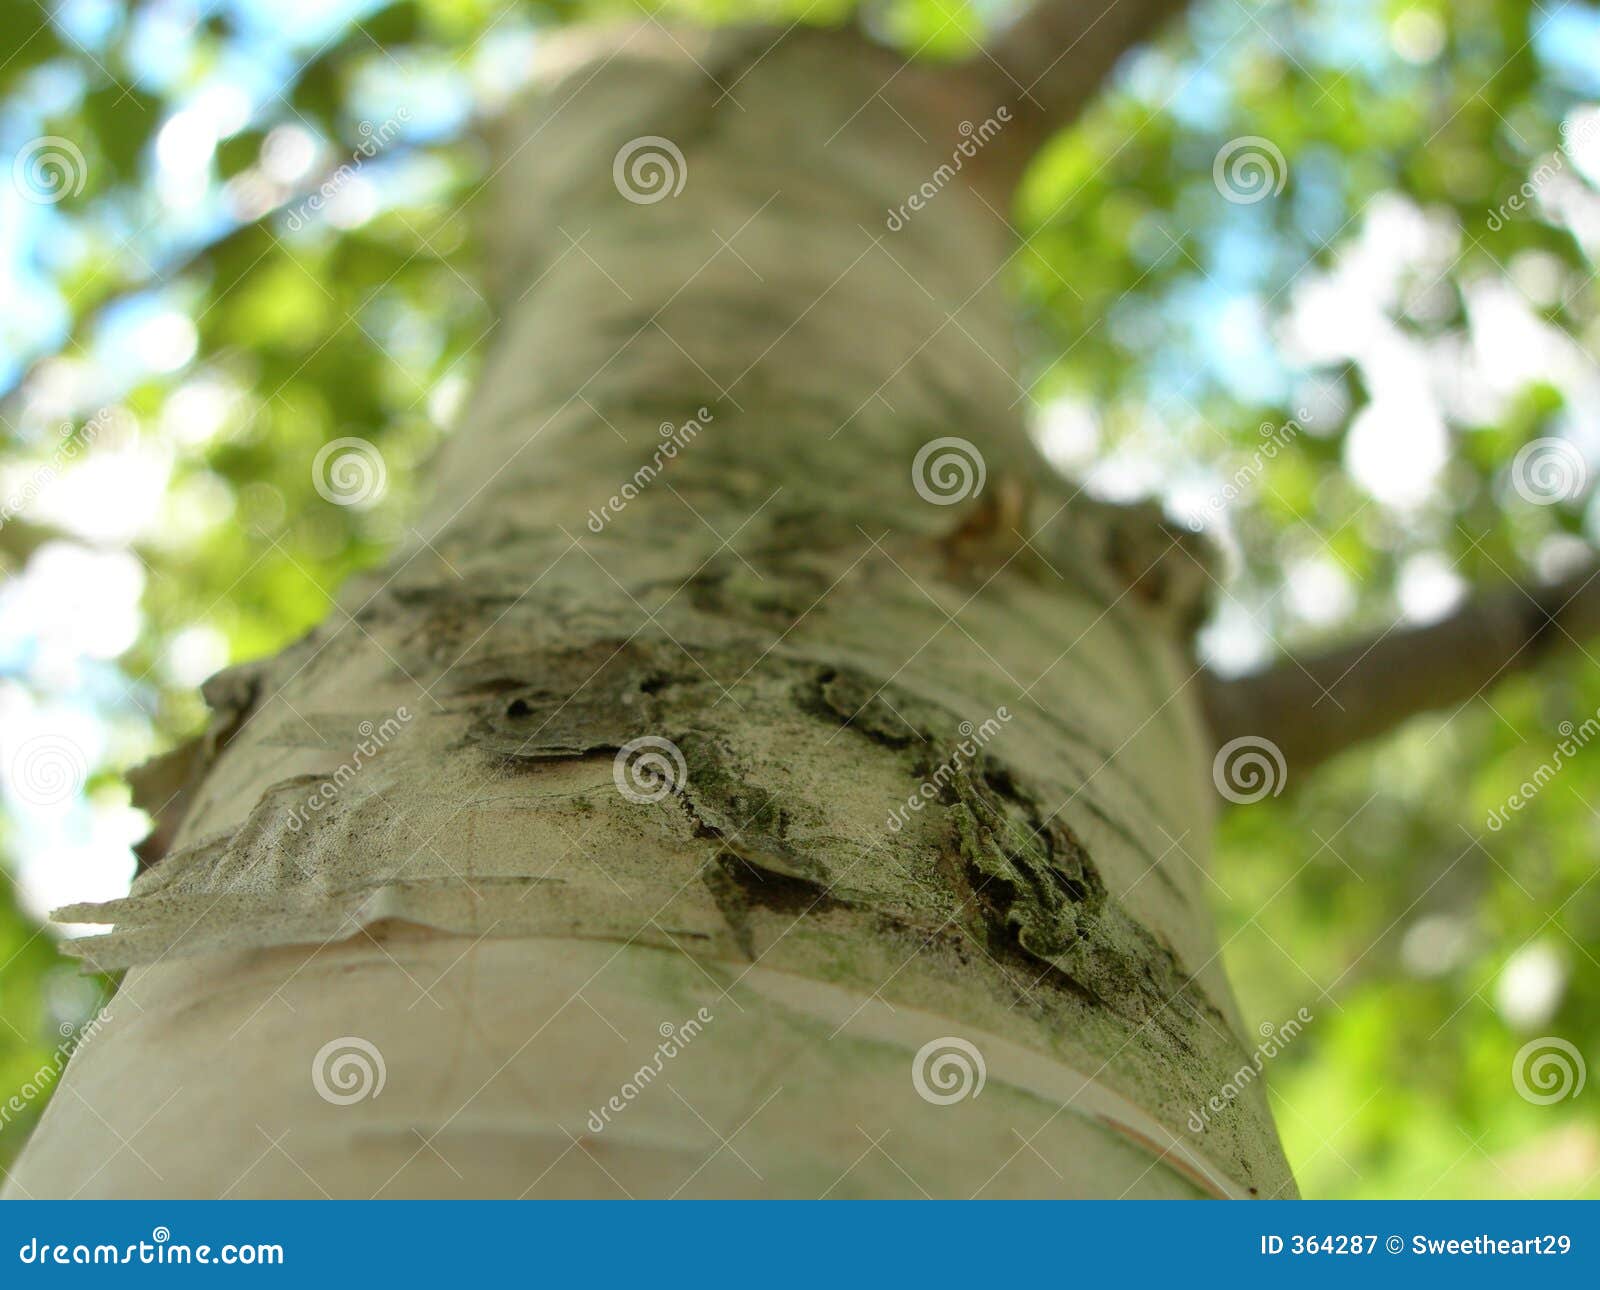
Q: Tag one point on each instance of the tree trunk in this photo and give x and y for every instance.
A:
(777, 813)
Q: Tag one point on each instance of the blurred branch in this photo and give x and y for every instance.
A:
(1316, 706)
(19, 539)
(193, 260)
(82, 324)
(1051, 61)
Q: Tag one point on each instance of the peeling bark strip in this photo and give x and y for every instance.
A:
(682, 735)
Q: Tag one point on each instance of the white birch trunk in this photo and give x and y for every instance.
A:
(508, 931)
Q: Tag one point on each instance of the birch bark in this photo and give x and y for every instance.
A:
(902, 893)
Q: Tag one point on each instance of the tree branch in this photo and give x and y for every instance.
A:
(1051, 61)
(1317, 706)
(194, 259)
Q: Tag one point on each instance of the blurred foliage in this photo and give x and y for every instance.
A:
(1384, 319)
